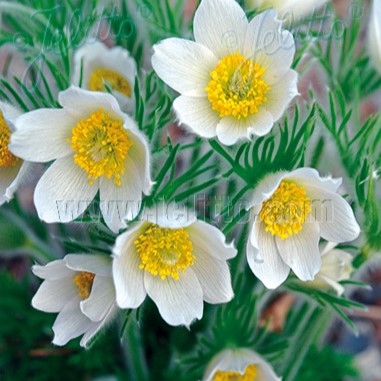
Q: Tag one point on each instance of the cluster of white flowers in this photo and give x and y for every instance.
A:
(235, 81)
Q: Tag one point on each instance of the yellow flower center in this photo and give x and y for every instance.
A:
(101, 77)
(249, 375)
(164, 251)
(101, 145)
(287, 209)
(237, 88)
(84, 282)
(6, 157)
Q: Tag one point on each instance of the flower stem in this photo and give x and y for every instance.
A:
(134, 353)
(310, 331)
(235, 166)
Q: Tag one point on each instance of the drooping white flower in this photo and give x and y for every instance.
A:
(96, 67)
(291, 211)
(80, 288)
(374, 34)
(336, 266)
(289, 10)
(95, 147)
(177, 260)
(235, 79)
(239, 364)
(12, 169)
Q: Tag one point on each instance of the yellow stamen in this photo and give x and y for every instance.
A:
(249, 375)
(287, 209)
(7, 159)
(164, 251)
(237, 88)
(84, 282)
(101, 145)
(99, 77)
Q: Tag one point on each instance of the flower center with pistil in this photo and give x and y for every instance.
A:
(84, 281)
(237, 88)
(6, 157)
(101, 77)
(164, 251)
(101, 145)
(286, 210)
(249, 375)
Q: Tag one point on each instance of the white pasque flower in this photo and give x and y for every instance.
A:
(80, 288)
(336, 266)
(239, 364)
(374, 34)
(290, 10)
(292, 210)
(95, 147)
(12, 169)
(178, 261)
(96, 67)
(235, 79)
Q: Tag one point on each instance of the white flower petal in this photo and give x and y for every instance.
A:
(230, 129)
(221, 26)
(301, 251)
(41, 135)
(81, 103)
(214, 277)
(281, 94)
(139, 154)
(63, 192)
(310, 177)
(101, 298)
(197, 114)
(7, 178)
(210, 240)
(374, 34)
(121, 203)
(96, 264)
(179, 301)
(334, 215)
(266, 262)
(94, 328)
(269, 46)
(260, 123)
(128, 278)
(337, 265)
(292, 11)
(327, 248)
(53, 295)
(53, 270)
(229, 360)
(70, 323)
(307, 177)
(10, 113)
(184, 65)
(22, 174)
(266, 187)
(237, 360)
(335, 285)
(169, 215)
(96, 55)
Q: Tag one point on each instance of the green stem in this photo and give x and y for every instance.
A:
(309, 332)
(33, 244)
(133, 348)
(235, 166)
(38, 249)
